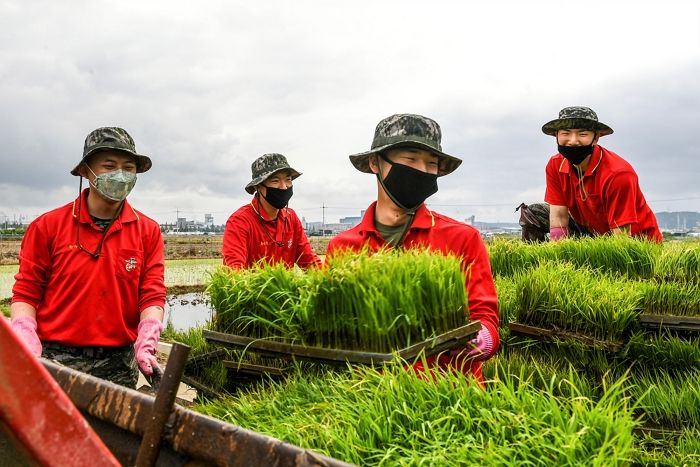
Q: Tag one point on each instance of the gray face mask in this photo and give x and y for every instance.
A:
(115, 185)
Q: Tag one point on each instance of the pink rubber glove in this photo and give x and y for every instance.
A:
(25, 328)
(557, 233)
(146, 344)
(482, 346)
(477, 349)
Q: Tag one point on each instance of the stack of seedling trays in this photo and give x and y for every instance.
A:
(611, 307)
(359, 309)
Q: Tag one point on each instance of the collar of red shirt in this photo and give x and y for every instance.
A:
(592, 166)
(424, 220)
(257, 207)
(128, 214)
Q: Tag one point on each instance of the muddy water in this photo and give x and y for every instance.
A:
(188, 310)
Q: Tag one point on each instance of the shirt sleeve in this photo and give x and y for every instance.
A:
(34, 266)
(620, 195)
(234, 248)
(554, 194)
(152, 285)
(481, 290)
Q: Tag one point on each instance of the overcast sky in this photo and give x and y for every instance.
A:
(206, 87)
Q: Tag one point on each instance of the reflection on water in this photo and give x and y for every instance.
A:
(189, 310)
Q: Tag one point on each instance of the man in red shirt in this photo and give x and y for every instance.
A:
(266, 229)
(590, 189)
(406, 158)
(90, 288)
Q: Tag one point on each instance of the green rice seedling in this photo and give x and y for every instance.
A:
(507, 298)
(670, 401)
(510, 256)
(396, 418)
(670, 298)
(645, 352)
(616, 254)
(612, 254)
(387, 300)
(688, 446)
(378, 302)
(192, 337)
(671, 451)
(542, 371)
(577, 300)
(183, 272)
(590, 361)
(263, 301)
(679, 262)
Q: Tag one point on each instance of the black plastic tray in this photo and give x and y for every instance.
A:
(676, 323)
(455, 338)
(549, 335)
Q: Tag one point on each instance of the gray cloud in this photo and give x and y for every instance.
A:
(205, 90)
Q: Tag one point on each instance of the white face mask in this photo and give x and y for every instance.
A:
(115, 185)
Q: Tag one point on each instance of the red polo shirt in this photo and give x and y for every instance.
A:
(83, 301)
(606, 197)
(248, 239)
(434, 231)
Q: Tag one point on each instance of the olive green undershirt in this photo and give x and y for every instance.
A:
(390, 233)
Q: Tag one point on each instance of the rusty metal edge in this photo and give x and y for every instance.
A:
(550, 334)
(190, 433)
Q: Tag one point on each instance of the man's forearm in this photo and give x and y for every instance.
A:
(19, 309)
(152, 312)
(558, 217)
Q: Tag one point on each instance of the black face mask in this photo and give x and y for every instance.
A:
(575, 154)
(278, 197)
(406, 186)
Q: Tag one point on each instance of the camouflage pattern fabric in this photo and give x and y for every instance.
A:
(534, 221)
(582, 118)
(113, 138)
(116, 365)
(267, 165)
(407, 130)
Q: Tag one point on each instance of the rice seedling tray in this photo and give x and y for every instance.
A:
(201, 388)
(552, 334)
(455, 338)
(675, 323)
(204, 358)
(254, 369)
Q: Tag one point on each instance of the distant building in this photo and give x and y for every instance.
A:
(319, 228)
(354, 220)
(208, 221)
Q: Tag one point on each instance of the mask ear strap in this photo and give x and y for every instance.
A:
(381, 181)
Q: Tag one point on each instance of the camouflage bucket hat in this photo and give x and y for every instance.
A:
(407, 130)
(576, 118)
(112, 138)
(265, 166)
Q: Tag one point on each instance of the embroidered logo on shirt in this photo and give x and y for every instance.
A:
(289, 243)
(130, 264)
